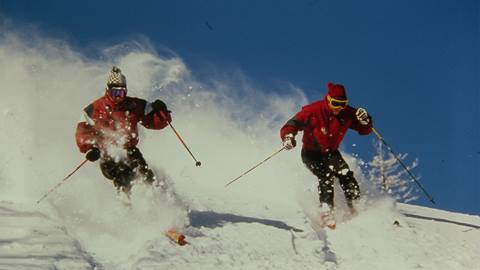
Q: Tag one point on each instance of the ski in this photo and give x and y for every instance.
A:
(176, 237)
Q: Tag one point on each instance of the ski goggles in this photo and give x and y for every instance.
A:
(337, 103)
(118, 92)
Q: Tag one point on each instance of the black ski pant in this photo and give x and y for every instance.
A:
(122, 172)
(327, 166)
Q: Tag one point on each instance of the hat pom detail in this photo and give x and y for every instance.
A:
(116, 69)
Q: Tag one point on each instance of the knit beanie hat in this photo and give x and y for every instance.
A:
(116, 78)
(336, 91)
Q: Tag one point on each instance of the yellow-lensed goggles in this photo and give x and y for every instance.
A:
(337, 103)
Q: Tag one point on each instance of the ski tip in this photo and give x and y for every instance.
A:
(181, 240)
(332, 226)
(176, 237)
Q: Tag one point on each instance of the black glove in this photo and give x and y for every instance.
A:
(159, 106)
(93, 154)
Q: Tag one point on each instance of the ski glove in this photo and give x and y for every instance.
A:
(160, 106)
(362, 116)
(289, 141)
(93, 154)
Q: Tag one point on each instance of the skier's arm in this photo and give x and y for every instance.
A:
(295, 124)
(156, 115)
(86, 134)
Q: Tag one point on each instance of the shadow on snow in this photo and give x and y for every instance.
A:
(212, 219)
(441, 220)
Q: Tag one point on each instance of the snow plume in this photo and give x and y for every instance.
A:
(230, 125)
(45, 86)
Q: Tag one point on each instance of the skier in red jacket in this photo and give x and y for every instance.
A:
(108, 131)
(324, 124)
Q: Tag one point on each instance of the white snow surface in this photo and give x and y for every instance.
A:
(256, 239)
(259, 222)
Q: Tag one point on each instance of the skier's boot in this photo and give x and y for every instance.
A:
(351, 207)
(326, 217)
(353, 212)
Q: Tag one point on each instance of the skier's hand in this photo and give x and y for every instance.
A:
(160, 106)
(289, 141)
(93, 154)
(362, 116)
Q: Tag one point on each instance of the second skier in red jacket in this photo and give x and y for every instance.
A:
(324, 124)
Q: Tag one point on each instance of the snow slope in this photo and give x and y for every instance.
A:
(425, 239)
(31, 240)
(259, 222)
(369, 241)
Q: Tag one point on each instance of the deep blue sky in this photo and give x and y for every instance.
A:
(413, 64)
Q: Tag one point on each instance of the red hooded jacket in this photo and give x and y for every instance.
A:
(322, 130)
(106, 123)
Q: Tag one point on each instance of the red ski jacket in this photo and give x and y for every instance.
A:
(322, 130)
(105, 123)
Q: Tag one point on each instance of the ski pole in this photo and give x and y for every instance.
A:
(63, 181)
(197, 163)
(403, 165)
(281, 149)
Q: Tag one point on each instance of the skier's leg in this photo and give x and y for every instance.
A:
(109, 168)
(123, 181)
(119, 173)
(316, 163)
(138, 162)
(346, 178)
(325, 192)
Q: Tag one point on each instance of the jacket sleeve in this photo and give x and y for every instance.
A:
(295, 124)
(86, 134)
(155, 120)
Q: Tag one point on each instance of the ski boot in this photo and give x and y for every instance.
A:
(353, 212)
(326, 217)
(351, 207)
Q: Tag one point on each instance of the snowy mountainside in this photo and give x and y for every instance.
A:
(424, 239)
